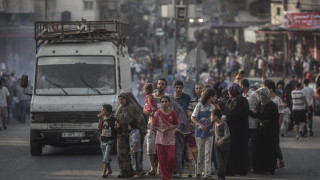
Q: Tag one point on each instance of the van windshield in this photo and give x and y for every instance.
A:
(75, 75)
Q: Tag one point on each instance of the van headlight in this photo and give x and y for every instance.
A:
(37, 117)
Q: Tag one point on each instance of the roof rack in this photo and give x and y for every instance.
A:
(61, 31)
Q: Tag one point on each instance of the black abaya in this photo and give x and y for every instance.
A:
(266, 143)
(237, 119)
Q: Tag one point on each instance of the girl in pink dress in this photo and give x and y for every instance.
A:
(150, 102)
(164, 122)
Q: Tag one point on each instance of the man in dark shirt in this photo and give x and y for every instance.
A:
(180, 96)
(183, 99)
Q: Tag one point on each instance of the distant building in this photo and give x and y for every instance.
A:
(16, 36)
(293, 31)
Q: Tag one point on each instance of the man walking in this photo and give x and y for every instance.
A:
(151, 133)
(183, 99)
(252, 121)
(4, 101)
(299, 110)
(310, 97)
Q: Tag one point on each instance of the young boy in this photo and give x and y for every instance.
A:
(222, 142)
(107, 137)
(192, 150)
(135, 146)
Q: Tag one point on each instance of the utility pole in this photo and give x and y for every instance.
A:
(175, 34)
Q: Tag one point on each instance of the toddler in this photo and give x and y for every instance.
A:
(286, 118)
(150, 102)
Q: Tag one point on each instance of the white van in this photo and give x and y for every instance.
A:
(77, 71)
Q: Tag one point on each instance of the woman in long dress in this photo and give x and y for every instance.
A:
(237, 111)
(127, 111)
(266, 143)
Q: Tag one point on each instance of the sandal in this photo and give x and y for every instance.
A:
(153, 172)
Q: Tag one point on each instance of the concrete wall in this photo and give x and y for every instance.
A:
(76, 7)
(275, 18)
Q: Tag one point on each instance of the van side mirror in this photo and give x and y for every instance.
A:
(24, 81)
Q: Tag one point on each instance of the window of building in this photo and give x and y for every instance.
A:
(278, 11)
(88, 5)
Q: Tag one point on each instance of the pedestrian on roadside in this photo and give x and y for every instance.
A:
(213, 157)
(239, 76)
(151, 133)
(266, 144)
(135, 148)
(277, 100)
(4, 104)
(128, 110)
(165, 120)
(183, 100)
(222, 101)
(221, 141)
(195, 97)
(310, 97)
(192, 150)
(23, 104)
(299, 109)
(286, 119)
(237, 111)
(107, 137)
(252, 121)
(204, 139)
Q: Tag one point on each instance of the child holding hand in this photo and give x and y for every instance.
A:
(222, 142)
(107, 137)
(135, 148)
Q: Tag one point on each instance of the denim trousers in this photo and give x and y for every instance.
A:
(222, 155)
(106, 148)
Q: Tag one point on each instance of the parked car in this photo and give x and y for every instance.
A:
(159, 32)
(254, 82)
(141, 53)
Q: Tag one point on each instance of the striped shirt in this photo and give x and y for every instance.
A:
(298, 99)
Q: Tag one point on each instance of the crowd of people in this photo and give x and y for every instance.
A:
(218, 127)
(14, 103)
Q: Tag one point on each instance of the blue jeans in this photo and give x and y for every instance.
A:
(106, 148)
(23, 108)
(222, 155)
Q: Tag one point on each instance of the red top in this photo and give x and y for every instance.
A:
(153, 103)
(192, 139)
(162, 121)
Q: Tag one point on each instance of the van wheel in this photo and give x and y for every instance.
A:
(35, 147)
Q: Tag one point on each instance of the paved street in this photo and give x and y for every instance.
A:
(301, 157)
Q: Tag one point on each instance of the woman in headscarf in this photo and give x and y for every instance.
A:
(266, 143)
(237, 110)
(127, 111)
(182, 130)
